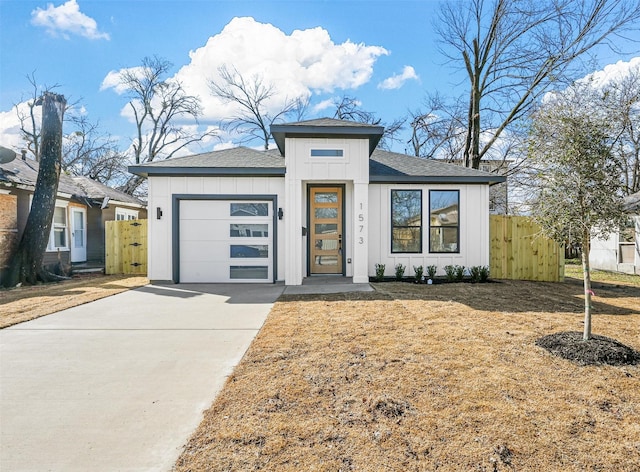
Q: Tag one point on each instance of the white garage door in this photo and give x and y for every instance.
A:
(226, 241)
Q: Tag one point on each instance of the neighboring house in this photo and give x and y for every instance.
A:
(82, 207)
(325, 202)
(620, 252)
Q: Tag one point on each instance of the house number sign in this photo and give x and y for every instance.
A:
(360, 223)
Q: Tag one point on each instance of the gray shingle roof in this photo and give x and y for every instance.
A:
(25, 173)
(384, 167)
(331, 122)
(390, 167)
(97, 191)
(235, 161)
(326, 127)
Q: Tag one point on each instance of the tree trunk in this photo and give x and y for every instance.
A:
(586, 270)
(27, 262)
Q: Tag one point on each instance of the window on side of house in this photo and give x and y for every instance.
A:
(406, 221)
(327, 153)
(126, 214)
(58, 235)
(444, 221)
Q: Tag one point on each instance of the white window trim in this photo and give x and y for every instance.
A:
(50, 247)
(327, 149)
(126, 214)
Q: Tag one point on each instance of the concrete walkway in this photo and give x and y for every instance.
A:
(120, 384)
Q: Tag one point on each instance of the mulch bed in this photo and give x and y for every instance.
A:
(598, 350)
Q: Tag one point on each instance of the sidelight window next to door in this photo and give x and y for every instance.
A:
(326, 230)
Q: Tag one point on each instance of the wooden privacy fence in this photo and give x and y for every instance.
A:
(519, 252)
(126, 247)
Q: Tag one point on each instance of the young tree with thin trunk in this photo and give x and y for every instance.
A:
(513, 51)
(579, 183)
(27, 263)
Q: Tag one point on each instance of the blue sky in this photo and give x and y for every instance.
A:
(76, 44)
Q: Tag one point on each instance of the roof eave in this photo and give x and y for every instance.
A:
(280, 132)
(433, 179)
(145, 171)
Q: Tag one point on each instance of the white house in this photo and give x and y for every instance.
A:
(620, 252)
(325, 202)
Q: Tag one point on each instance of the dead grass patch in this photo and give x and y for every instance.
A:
(442, 377)
(29, 302)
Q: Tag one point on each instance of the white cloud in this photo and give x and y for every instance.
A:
(10, 134)
(397, 80)
(612, 72)
(112, 79)
(299, 64)
(323, 105)
(65, 20)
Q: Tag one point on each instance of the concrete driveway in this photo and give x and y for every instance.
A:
(120, 384)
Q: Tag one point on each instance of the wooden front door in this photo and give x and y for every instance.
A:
(325, 232)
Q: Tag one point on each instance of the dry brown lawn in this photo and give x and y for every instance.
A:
(421, 378)
(29, 302)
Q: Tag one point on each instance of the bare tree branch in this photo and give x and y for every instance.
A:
(158, 106)
(513, 51)
(252, 95)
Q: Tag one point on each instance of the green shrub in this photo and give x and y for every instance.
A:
(484, 273)
(431, 271)
(419, 271)
(379, 272)
(450, 273)
(474, 271)
(459, 273)
(400, 271)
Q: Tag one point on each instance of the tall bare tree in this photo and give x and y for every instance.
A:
(437, 130)
(86, 151)
(252, 96)
(512, 51)
(29, 128)
(158, 105)
(577, 173)
(27, 262)
(350, 108)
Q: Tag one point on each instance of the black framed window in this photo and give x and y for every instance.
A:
(444, 221)
(406, 221)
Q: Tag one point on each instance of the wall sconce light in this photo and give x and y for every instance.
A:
(280, 213)
(158, 213)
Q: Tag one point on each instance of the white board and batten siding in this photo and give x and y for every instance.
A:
(473, 229)
(208, 248)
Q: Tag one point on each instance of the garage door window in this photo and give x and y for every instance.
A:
(248, 231)
(249, 209)
(249, 272)
(250, 251)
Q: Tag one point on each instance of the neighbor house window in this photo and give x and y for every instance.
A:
(126, 214)
(248, 231)
(327, 153)
(444, 222)
(58, 235)
(249, 209)
(406, 221)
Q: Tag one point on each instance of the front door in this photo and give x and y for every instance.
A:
(78, 234)
(325, 232)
